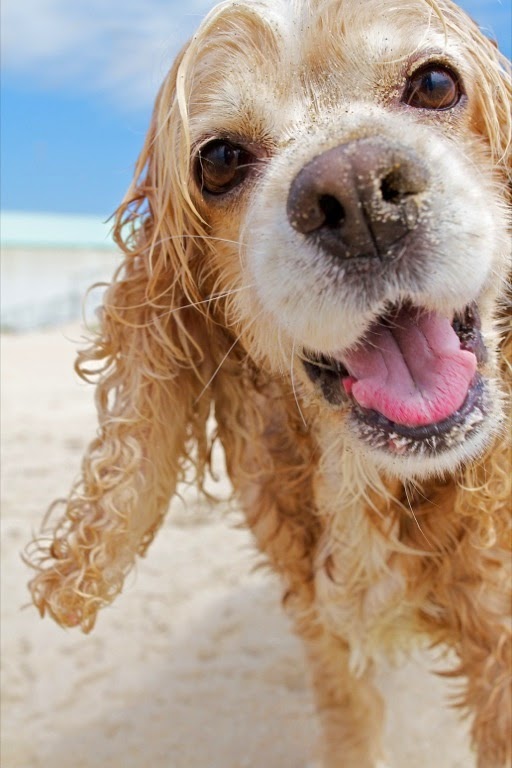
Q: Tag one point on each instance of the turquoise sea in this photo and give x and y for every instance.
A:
(48, 262)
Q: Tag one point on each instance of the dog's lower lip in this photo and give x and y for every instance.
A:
(438, 429)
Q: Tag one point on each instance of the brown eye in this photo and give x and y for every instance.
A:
(432, 88)
(221, 166)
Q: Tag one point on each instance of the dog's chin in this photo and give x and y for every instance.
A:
(422, 445)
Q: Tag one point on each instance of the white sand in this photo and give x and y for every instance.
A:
(195, 665)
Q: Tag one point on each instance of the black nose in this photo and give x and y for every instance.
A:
(358, 199)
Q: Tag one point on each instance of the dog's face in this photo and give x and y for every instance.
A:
(344, 160)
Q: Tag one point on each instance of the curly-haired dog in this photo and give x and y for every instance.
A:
(315, 251)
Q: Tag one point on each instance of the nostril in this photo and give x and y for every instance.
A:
(333, 211)
(390, 188)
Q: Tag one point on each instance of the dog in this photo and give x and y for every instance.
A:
(316, 248)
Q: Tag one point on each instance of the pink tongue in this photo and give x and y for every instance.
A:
(412, 371)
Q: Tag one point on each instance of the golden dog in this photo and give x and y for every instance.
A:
(315, 253)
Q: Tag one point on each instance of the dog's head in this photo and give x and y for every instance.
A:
(348, 164)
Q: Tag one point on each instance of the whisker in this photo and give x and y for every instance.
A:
(211, 238)
(208, 300)
(168, 312)
(418, 490)
(233, 345)
(293, 385)
(415, 518)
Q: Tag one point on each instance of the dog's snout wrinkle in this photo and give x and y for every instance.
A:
(359, 198)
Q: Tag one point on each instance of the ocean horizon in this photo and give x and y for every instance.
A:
(48, 263)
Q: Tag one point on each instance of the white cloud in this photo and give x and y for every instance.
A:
(119, 47)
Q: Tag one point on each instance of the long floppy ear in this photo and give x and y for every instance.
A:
(492, 89)
(486, 489)
(491, 84)
(152, 359)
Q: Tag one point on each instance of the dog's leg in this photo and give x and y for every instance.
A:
(272, 466)
(489, 694)
(350, 708)
(484, 649)
(475, 604)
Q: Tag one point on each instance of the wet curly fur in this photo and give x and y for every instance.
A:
(371, 554)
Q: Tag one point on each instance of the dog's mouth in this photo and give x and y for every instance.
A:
(412, 380)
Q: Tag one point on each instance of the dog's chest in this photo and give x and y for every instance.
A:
(361, 590)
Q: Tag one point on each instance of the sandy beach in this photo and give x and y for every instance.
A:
(194, 666)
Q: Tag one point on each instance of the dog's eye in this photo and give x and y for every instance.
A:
(222, 166)
(432, 88)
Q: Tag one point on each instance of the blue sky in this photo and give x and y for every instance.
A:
(78, 81)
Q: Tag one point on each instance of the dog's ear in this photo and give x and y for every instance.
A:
(489, 500)
(151, 360)
(493, 93)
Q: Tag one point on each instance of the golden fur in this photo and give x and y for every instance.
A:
(371, 552)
